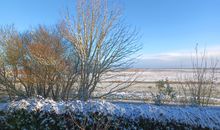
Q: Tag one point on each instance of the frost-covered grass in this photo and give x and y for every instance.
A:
(140, 97)
(205, 117)
(152, 75)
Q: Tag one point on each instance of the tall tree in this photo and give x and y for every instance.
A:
(101, 41)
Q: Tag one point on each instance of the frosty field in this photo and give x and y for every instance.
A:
(145, 83)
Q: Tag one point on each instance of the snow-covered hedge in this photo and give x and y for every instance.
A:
(99, 114)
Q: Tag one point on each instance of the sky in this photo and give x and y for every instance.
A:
(169, 29)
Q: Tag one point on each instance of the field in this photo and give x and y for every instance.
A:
(145, 83)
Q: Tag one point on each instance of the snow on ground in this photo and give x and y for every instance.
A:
(145, 97)
(141, 96)
(204, 116)
(152, 75)
(145, 83)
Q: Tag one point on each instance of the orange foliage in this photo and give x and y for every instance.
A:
(43, 53)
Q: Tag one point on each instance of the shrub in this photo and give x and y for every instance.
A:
(35, 120)
(200, 86)
(164, 92)
(49, 115)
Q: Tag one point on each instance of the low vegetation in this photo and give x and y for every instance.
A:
(165, 93)
(50, 115)
(200, 86)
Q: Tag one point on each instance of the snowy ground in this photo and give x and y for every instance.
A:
(145, 83)
(152, 75)
(204, 116)
(144, 87)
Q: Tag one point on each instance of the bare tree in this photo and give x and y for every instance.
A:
(36, 63)
(199, 86)
(101, 41)
(51, 65)
(11, 50)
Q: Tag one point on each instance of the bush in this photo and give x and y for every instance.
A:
(200, 87)
(165, 92)
(49, 115)
(22, 119)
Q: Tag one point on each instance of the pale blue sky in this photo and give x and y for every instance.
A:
(169, 28)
